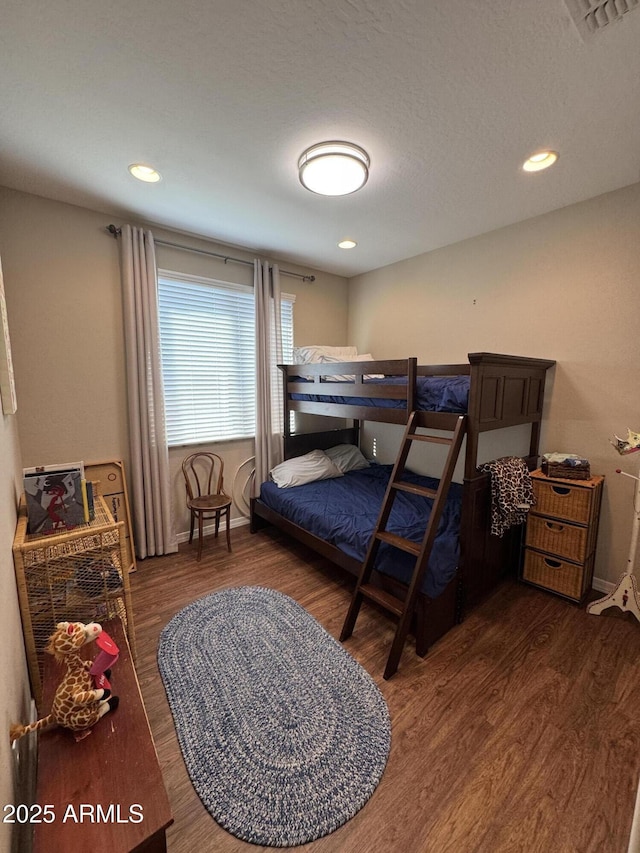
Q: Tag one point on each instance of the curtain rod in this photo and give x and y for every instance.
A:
(115, 231)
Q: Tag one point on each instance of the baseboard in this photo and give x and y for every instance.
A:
(210, 529)
(601, 585)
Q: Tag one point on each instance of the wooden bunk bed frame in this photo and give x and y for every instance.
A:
(505, 391)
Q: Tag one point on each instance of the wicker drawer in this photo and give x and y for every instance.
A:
(561, 501)
(557, 537)
(558, 576)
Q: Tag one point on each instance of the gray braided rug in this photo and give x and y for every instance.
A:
(284, 735)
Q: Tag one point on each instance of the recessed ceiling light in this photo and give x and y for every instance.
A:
(333, 168)
(347, 244)
(539, 161)
(145, 173)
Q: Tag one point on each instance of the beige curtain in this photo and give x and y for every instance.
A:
(269, 415)
(154, 532)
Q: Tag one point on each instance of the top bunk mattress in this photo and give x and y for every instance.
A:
(343, 512)
(433, 394)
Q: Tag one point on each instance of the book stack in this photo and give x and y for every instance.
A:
(58, 498)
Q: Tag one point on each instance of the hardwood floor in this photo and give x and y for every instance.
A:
(518, 732)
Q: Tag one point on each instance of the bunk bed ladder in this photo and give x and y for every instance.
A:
(404, 608)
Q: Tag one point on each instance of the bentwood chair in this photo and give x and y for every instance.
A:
(206, 498)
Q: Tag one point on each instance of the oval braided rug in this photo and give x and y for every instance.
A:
(284, 735)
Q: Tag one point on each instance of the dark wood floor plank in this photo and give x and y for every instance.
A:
(517, 732)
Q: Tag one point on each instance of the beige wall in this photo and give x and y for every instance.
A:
(61, 270)
(14, 696)
(63, 293)
(563, 286)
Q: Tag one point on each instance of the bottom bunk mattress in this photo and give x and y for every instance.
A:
(344, 511)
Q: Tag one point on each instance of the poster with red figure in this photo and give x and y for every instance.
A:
(54, 501)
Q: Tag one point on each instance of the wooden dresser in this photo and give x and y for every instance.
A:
(561, 535)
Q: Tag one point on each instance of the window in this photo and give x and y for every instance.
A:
(207, 342)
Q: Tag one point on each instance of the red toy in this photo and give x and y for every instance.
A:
(101, 669)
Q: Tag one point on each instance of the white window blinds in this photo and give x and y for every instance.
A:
(207, 341)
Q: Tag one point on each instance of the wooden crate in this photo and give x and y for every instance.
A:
(111, 482)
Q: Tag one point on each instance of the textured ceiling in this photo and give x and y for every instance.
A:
(447, 96)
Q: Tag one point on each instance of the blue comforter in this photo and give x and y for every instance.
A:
(433, 394)
(343, 511)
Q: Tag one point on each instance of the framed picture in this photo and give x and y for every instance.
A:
(7, 384)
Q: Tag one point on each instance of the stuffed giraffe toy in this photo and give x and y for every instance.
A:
(77, 705)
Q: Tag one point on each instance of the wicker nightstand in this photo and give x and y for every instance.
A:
(561, 535)
(73, 576)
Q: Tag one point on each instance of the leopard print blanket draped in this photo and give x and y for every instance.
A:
(511, 492)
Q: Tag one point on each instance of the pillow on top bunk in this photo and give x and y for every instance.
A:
(347, 457)
(313, 354)
(315, 465)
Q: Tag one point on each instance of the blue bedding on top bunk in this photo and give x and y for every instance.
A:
(433, 394)
(343, 511)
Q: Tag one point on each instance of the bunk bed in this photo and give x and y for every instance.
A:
(492, 391)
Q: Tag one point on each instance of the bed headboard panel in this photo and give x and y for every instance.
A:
(298, 445)
(506, 390)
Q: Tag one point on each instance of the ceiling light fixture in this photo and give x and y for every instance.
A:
(347, 244)
(541, 160)
(334, 168)
(145, 173)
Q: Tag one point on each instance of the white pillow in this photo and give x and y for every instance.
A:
(315, 465)
(313, 354)
(347, 457)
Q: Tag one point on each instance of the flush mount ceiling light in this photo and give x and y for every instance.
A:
(347, 244)
(541, 160)
(145, 173)
(333, 168)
